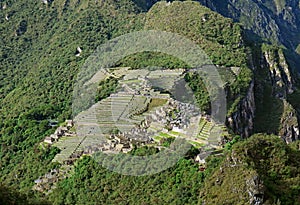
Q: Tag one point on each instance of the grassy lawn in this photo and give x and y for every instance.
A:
(157, 138)
(131, 81)
(156, 102)
(196, 144)
(165, 135)
(175, 133)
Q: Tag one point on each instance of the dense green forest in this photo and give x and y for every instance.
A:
(38, 69)
(259, 164)
(39, 63)
(180, 184)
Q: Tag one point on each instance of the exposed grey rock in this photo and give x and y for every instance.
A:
(280, 74)
(289, 129)
(241, 121)
(282, 84)
(47, 1)
(255, 189)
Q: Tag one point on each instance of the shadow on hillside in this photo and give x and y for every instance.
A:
(269, 109)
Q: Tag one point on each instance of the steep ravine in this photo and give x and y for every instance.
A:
(279, 73)
(241, 121)
(274, 83)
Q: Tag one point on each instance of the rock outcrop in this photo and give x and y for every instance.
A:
(255, 189)
(282, 84)
(279, 73)
(280, 78)
(289, 129)
(241, 121)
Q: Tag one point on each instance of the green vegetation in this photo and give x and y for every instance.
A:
(151, 60)
(39, 62)
(167, 141)
(114, 131)
(38, 66)
(264, 160)
(156, 102)
(106, 87)
(144, 151)
(293, 99)
(180, 184)
(165, 135)
(298, 49)
(229, 145)
(196, 144)
(197, 85)
(269, 112)
(9, 196)
(219, 37)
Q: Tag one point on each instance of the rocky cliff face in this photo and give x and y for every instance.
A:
(289, 129)
(241, 121)
(282, 84)
(278, 77)
(255, 189)
(253, 184)
(279, 73)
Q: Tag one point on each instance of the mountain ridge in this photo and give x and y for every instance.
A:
(39, 62)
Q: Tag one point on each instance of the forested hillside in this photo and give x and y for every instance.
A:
(263, 167)
(38, 68)
(43, 44)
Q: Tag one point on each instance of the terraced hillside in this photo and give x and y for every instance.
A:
(92, 130)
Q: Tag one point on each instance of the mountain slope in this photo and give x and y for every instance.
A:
(38, 67)
(39, 61)
(276, 21)
(259, 170)
(223, 42)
